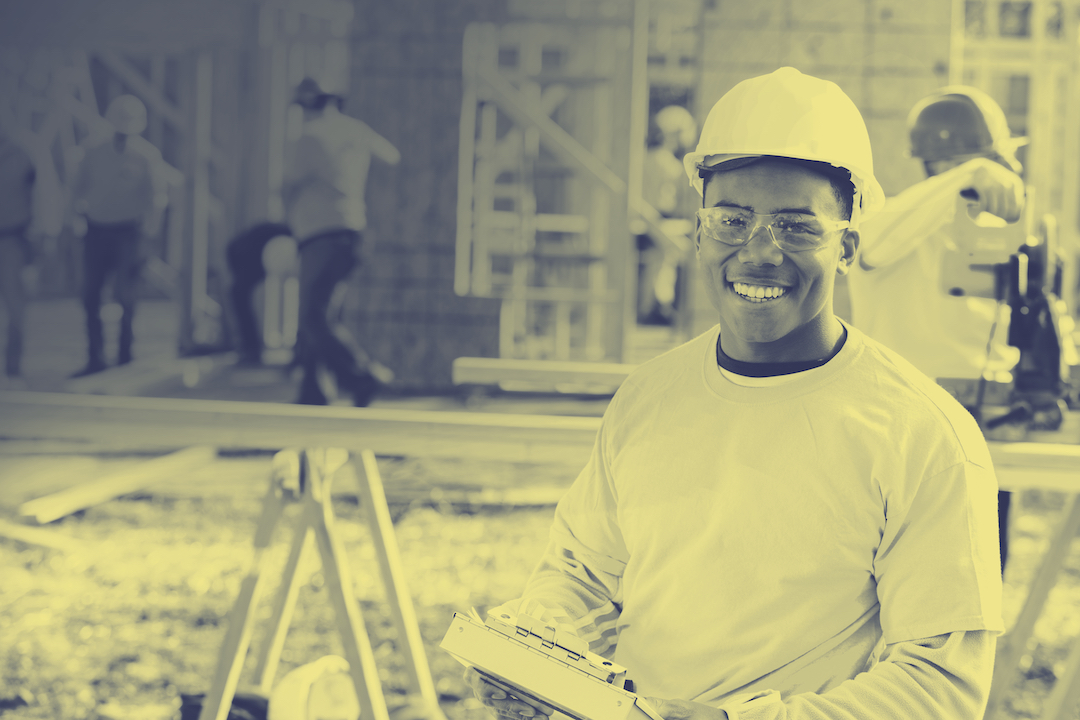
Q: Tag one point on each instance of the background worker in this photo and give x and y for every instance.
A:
(118, 197)
(672, 131)
(781, 518)
(244, 255)
(962, 138)
(17, 176)
(323, 192)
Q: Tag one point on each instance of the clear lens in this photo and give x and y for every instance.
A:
(734, 227)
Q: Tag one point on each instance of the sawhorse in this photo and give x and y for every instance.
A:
(306, 476)
(1057, 466)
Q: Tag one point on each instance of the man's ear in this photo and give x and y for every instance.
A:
(849, 246)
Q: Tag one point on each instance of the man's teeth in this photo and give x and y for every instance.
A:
(758, 292)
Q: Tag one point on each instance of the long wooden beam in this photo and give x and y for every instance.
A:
(121, 423)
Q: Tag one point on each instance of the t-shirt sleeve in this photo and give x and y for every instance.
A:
(911, 218)
(579, 577)
(937, 567)
(947, 676)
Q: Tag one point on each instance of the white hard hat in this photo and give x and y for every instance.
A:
(789, 114)
(127, 115)
(280, 256)
(677, 120)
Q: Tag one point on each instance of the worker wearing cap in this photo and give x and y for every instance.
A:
(118, 197)
(962, 138)
(781, 518)
(323, 192)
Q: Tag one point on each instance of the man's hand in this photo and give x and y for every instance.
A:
(503, 704)
(1000, 190)
(685, 710)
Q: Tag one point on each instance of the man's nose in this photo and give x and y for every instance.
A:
(761, 249)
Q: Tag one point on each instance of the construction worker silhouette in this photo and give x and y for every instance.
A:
(962, 138)
(118, 197)
(323, 193)
(672, 131)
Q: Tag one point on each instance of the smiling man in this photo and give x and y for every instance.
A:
(781, 518)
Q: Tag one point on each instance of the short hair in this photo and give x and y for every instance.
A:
(839, 178)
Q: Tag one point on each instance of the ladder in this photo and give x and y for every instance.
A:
(542, 203)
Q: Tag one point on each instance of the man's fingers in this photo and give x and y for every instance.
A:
(500, 701)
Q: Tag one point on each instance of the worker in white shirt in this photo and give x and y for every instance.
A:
(781, 518)
(963, 140)
(118, 198)
(323, 192)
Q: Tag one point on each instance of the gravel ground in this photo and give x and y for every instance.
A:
(119, 627)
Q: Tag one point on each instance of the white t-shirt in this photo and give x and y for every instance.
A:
(326, 175)
(728, 539)
(901, 302)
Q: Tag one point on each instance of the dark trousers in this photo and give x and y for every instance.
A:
(1003, 525)
(110, 250)
(14, 255)
(244, 255)
(1004, 499)
(325, 260)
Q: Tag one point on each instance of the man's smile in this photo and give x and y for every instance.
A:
(758, 293)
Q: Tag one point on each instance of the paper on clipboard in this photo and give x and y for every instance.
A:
(532, 661)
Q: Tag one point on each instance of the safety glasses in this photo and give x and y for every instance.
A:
(791, 232)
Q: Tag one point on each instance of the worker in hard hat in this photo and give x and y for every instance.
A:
(781, 518)
(323, 193)
(118, 197)
(672, 131)
(963, 141)
(17, 178)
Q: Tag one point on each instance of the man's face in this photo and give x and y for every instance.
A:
(803, 280)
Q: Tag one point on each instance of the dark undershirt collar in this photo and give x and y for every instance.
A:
(769, 369)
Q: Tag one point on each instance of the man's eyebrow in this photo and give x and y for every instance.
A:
(799, 210)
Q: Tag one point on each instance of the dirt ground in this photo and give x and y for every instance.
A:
(121, 625)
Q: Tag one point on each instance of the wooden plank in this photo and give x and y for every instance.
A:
(116, 423)
(491, 371)
(561, 142)
(1061, 705)
(409, 641)
(355, 642)
(51, 507)
(466, 160)
(151, 95)
(242, 618)
(37, 536)
(1015, 644)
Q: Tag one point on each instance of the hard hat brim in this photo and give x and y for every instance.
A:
(871, 196)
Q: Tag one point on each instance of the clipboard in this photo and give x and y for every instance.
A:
(533, 661)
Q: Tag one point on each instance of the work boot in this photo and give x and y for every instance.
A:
(310, 392)
(363, 389)
(92, 367)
